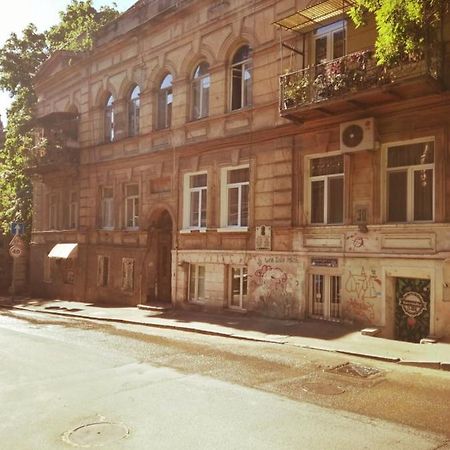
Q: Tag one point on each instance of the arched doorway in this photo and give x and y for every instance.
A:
(160, 291)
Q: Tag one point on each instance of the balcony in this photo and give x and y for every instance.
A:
(355, 82)
(45, 157)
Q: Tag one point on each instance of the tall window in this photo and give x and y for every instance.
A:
(238, 287)
(235, 190)
(327, 190)
(73, 210)
(107, 208)
(196, 283)
(241, 78)
(195, 200)
(134, 106)
(132, 206)
(200, 91)
(329, 42)
(102, 271)
(127, 274)
(109, 119)
(53, 211)
(410, 182)
(165, 99)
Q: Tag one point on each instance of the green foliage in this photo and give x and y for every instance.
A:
(20, 58)
(78, 25)
(404, 27)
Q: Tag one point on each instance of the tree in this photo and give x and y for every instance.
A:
(20, 59)
(405, 28)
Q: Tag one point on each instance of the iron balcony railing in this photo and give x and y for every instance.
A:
(46, 155)
(350, 74)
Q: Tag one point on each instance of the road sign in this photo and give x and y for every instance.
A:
(17, 241)
(17, 228)
(15, 252)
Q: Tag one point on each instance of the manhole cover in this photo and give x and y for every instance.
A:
(355, 370)
(97, 434)
(323, 388)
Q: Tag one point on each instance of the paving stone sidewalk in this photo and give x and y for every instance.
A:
(307, 334)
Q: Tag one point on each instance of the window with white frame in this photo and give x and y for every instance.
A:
(200, 91)
(410, 182)
(326, 186)
(107, 207)
(196, 283)
(53, 203)
(73, 210)
(109, 121)
(134, 105)
(237, 287)
(241, 78)
(127, 274)
(195, 200)
(329, 42)
(102, 271)
(235, 197)
(132, 206)
(165, 100)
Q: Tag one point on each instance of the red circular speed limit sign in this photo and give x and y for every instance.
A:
(15, 252)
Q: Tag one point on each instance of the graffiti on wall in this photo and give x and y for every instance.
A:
(363, 289)
(274, 285)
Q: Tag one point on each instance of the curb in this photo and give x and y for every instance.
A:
(146, 324)
(422, 364)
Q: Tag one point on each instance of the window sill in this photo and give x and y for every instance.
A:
(232, 230)
(197, 302)
(236, 309)
(193, 230)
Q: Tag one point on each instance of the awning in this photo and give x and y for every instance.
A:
(64, 251)
(318, 11)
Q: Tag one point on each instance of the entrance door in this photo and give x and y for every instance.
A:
(325, 297)
(412, 310)
(164, 259)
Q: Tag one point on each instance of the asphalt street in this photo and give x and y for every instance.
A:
(67, 383)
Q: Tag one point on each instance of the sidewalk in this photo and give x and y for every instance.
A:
(306, 334)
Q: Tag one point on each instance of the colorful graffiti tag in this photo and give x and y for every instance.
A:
(274, 291)
(364, 288)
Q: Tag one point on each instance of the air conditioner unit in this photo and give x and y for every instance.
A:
(357, 135)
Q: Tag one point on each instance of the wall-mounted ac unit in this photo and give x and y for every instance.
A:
(357, 135)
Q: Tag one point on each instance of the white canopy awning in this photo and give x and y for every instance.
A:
(64, 251)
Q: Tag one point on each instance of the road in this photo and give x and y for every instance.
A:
(67, 382)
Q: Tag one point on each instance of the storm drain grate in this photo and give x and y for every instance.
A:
(355, 370)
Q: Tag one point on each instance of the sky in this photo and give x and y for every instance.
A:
(43, 13)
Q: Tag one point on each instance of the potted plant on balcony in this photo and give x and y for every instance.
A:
(295, 89)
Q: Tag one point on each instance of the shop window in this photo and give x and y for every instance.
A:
(241, 78)
(200, 91)
(327, 190)
(195, 200)
(325, 297)
(196, 283)
(410, 182)
(132, 206)
(235, 197)
(237, 295)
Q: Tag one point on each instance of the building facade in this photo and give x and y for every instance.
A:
(218, 154)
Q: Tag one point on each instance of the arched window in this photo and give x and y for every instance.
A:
(241, 78)
(200, 91)
(134, 105)
(109, 119)
(165, 99)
